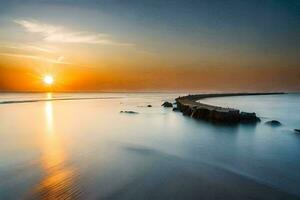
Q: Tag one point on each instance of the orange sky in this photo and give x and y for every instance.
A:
(88, 46)
(73, 78)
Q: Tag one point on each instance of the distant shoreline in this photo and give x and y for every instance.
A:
(56, 99)
(189, 106)
(191, 97)
(141, 91)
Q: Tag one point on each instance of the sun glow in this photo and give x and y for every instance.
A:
(48, 80)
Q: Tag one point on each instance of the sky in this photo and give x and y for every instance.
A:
(150, 45)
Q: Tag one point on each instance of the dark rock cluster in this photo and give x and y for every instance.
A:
(167, 104)
(175, 109)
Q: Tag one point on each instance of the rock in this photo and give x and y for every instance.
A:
(167, 104)
(297, 130)
(274, 123)
(175, 109)
(249, 117)
(149, 106)
(128, 112)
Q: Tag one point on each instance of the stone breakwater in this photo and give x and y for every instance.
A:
(190, 106)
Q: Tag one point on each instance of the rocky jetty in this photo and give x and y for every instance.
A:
(190, 106)
(167, 104)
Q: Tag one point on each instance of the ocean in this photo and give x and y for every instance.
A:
(79, 146)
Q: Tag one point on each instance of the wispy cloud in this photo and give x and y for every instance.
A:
(58, 60)
(32, 51)
(30, 47)
(60, 34)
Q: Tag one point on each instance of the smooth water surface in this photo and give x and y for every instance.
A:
(87, 149)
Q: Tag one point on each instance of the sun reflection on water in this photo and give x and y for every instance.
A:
(58, 182)
(49, 114)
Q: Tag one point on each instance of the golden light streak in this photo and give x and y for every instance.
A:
(58, 182)
(49, 114)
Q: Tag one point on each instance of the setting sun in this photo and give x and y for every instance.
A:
(48, 80)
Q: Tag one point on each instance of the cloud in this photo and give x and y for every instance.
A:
(29, 47)
(59, 34)
(58, 60)
(31, 51)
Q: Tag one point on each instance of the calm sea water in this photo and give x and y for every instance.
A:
(87, 149)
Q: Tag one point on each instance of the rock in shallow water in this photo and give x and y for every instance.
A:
(175, 109)
(129, 112)
(167, 104)
(249, 117)
(273, 123)
(149, 106)
(297, 130)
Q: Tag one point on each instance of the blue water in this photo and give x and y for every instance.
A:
(87, 149)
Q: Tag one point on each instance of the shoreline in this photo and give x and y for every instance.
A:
(190, 106)
(55, 99)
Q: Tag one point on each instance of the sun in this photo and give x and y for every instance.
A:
(48, 79)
